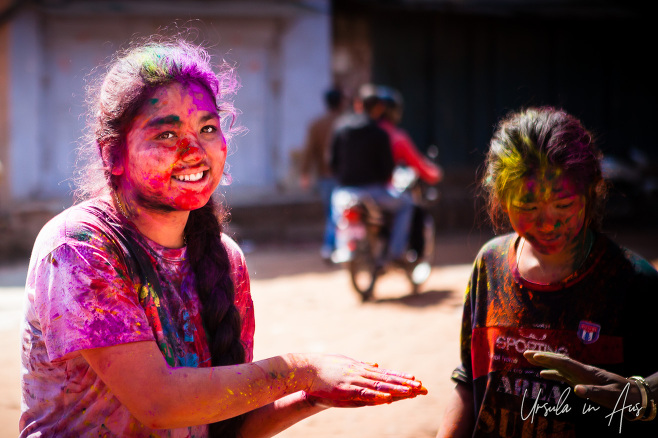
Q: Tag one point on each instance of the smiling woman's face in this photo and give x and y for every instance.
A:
(548, 211)
(175, 151)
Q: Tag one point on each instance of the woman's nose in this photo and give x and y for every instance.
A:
(189, 149)
(545, 220)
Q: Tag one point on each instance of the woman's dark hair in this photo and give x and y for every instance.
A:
(221, 319)
(533, 140)
(132, 78)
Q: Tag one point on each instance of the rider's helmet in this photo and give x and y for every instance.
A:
(394, 103)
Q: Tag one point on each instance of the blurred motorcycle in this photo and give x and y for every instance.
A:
(363, 234)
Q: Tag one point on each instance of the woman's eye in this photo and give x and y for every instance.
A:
(525, 207)
(165, 135)
(565, 206)
(209, 129)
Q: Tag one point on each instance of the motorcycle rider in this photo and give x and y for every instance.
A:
(403, 148)
(362, 161)
(406, 154)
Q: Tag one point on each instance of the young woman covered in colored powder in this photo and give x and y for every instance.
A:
(139, 320)
(555, 285)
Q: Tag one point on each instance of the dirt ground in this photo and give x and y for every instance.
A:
(303, 305)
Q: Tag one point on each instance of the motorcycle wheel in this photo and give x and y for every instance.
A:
(363, 272)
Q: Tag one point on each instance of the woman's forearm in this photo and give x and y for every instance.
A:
(163, 397)
(229, 391)
(279, 415)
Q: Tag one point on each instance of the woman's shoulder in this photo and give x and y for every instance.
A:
(637, 262)
(239, 271)
(78, 223)
(75, 237)
(235, 253)
(621, 265)
(496, 246)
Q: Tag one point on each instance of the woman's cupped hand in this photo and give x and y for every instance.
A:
(339, 381)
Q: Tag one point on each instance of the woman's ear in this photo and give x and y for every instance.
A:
(117, 169)
(115, 165)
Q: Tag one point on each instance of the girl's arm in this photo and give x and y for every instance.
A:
(163, 397)
(279, 415)
(458, 418)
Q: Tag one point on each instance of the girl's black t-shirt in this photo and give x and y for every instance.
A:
(604, 315)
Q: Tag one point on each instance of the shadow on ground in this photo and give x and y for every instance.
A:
(423, 299)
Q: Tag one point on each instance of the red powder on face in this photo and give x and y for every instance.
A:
(182, 146)
(185, 149)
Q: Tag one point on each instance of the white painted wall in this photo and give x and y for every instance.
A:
(25, 158)
(283, 60)
(307, 75)
(248, 43)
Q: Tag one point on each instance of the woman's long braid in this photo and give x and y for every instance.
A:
(211, 266)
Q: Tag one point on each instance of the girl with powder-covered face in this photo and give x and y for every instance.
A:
(554, 287)
(139, 319)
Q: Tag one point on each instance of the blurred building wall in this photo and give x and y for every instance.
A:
(4, 104)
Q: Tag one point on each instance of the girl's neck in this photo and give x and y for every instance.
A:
(554, 268)
(164, 228)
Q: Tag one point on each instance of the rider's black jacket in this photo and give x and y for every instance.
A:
(361, 152)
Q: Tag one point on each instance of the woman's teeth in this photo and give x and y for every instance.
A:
(190, 177)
